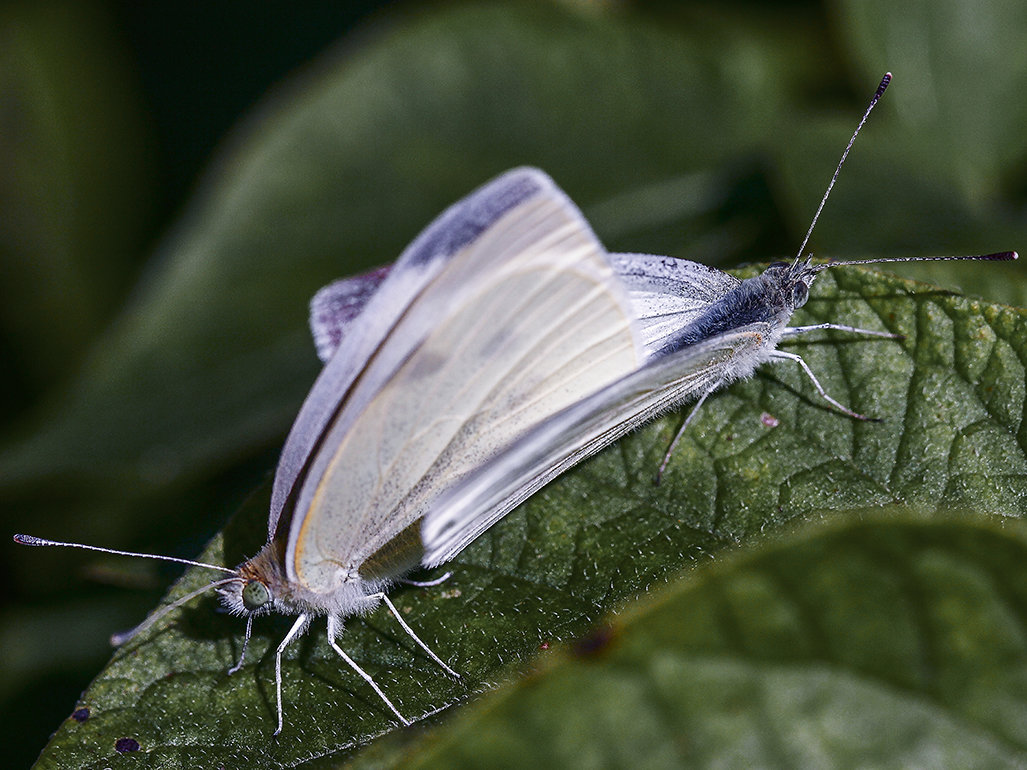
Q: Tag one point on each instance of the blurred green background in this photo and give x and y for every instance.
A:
(179, 179)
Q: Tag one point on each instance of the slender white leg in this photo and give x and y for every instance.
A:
(425, 583)
(245, 644)
(780, 354)
(415, 637)
(793, 331)
(681, 432)
(297, 628)
(333, 628)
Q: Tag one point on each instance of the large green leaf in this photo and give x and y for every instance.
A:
(766, 452)
(74, 192)
(880, 643)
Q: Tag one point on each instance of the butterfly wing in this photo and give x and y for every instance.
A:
(666, 294)
(525, 318)
(336, 306)
(422, 260)
(460, 515)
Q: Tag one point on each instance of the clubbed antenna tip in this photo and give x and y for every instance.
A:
(30, 540)
(884, 84)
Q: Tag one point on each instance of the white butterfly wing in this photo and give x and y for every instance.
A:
(459, 516)
(666, 294)
(420, 262)
(525, 319)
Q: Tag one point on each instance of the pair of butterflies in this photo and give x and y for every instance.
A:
(503, 347)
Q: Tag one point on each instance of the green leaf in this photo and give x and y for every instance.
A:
(76, 185)
(212, 358)
(881, 642)
(765, 453)
(958, 65)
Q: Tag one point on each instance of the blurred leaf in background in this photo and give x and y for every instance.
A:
(697, 130)
(77, 190)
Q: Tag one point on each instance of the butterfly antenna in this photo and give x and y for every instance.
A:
(834, 177)
(119, 639)
(998, 256)
(32, 540)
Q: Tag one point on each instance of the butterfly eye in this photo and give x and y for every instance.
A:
(800, 293)
(255, 595)
(777, 265)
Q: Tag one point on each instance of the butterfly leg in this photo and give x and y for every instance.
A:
(333, 630)
(681, 432)
(793, 331)
(412, 635)
(297, 628)
(425, 583)
(781, 354)
(245, 644)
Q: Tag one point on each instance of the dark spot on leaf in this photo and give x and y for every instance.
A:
(80, 715)
(125, 745)
(593, 644)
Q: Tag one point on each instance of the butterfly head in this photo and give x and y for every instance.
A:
(256, 589)
(792, 281)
